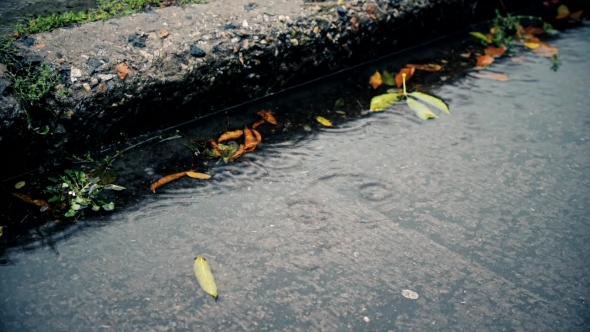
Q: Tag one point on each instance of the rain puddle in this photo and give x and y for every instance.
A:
(381, 223)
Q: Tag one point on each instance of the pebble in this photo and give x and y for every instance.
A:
(105, 77)
(366, 319)
(75, 73)
(245, 24)
(197, 52)
(87, 87)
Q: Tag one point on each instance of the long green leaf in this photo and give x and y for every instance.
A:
(431, 100)
(422, 111)
(381, 102)
(204, 276)
(481, 37)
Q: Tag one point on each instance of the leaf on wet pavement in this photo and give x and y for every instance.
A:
(491, 76)
(375, 80)
(230, 136)
(268, 116)
(37, 202)
(205, 276)
(484, 60)
(531, 45)
(257, 135)
(387, 78)
(421, 110)
(258, 123)
(410, 294)
(399, 77)
(214, 148)
(381, 102)
(250, 140)
(486, 39)
(431, 67)
(531, 31)
(495, 51)
(227, 151)
(197, 175)
(166, 179)
(240, 151)
(431, 100)
(19, 185)
(323, 121)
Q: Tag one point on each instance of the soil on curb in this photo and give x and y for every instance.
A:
(132, 75)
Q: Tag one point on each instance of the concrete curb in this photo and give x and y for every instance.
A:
(136, 74)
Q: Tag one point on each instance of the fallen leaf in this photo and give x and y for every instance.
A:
(375, 81)
(531, 45)
(230, 136)
(166, 179)
(122, 70)
(257, 135)
(421, 110)
(465, 55)
(431, 100)
(268, 116)
(38, 202)
(258, 123)
(484, 38)
(238, 153)
(495, 51)
(323, 121)
(113, 187)
(562, 12)
(532, 31)
(546, 50)
(204, 276)
(492, 76)
(1, 230)
(381, 102)
(576, 15)
(196, 175)
(250, 140)
(19, 185)
(409, 294)
(409, 73)
(215, 147)
(427, 67)
(387, 78)
(106, 176)
(484, 60)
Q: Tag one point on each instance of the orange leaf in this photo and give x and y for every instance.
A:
(428, 67)
(196, 175)
(532, 31)
(38, 202)
(492, 76)
(495, 51)
(166, 179)
(562, 16)
(230, 136)
(238, 153)
(258, 123)
(375, 80)
(409, 73)
(257, 135)
(484, 60)
(576, 15)
(546, 50)
(268, 116)
(250, 140)
(215, 147)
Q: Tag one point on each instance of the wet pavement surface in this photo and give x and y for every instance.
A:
(483, 214)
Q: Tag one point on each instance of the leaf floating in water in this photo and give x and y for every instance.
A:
(258, 123)
(166, 179)
(491, 76)
(230, 136)
(268, 116)
(323, 121)
(387, 78)
(409, 294)
(204, 276)
(19, 184)
(375, 80)
(200, 176)
(381, 102)
(431, 100)
(422, 111)
(399, 77)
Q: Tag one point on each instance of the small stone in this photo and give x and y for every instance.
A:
(122, 70)
(266, 18)
(197, 52)
(60, 61)
(75, 73)
(163, 34)
(235, 40)
(342, 11)
(87, 87)
(93, 63)
(245, 24)
(102, 88)
(136, 41)
(105, 77)
(29, 41)
(366, 319)
(58, 55)
(105, 59)
(295, 42)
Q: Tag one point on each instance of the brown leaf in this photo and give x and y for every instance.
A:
(532, 31)
(495, 51)
(484, 60)
(268, 116)
(230, 136)
(258, 123)
(215, 147)
(257, 135)
(546, 50)
(428, 67)
(238, 153)
(409, 73)
(375, 81)
(196, 175)
(576, 15)
(122, 70)
(250, 140)
(492, 76)
(166, 179)
(38, 202)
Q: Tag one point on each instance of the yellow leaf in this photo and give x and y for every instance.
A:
(381, 102)
(422, 111)
(485, 39)
(196, 175)
(1, 230)
(532, 46)
(19, 185)
(230, 136)
(431, 100)
(387, 78)
(563, 10)
(325, 122)
(375, 80)
(204, 276)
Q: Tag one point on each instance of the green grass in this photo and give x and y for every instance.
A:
(106, 9)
